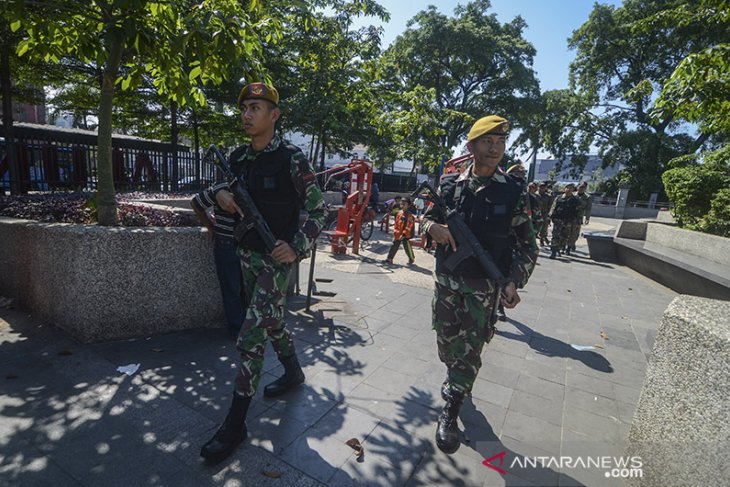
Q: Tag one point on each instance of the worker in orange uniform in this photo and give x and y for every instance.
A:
(403, 231)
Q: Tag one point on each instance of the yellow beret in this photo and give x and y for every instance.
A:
(259, 91)
(491, 124)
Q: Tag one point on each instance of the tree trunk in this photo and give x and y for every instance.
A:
(324, 140)
(311, 148)
(173, 143)
(413, 168)
(106, 199)
(315, 156)
(196, 145)
(16, 186)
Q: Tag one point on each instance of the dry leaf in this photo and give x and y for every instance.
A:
(273, 474)
(355, 444)
(157, 350)
(603, 335)
(598, 345)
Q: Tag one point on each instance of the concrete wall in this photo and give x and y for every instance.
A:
(681, 428)
(102, 283)
(711, 247)
(630, 213)
(686, 261)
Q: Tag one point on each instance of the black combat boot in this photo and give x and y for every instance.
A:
(231, 433)
(293, 376)
(553, 254)
(567, 250)
(447, 433)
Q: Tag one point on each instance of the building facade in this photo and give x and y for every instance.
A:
(592, 172)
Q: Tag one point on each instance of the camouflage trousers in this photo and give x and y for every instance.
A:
(265, 282)
(462, 318)
(544, 228)
(575, 226)
(561, 234)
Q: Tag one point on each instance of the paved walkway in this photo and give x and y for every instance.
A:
(68, 418)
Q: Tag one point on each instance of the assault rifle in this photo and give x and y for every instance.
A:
(252, 219)
(467, 244)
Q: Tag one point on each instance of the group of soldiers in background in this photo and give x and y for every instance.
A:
(567, 211)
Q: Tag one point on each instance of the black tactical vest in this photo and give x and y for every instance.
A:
(489, 216)
(566, 208)
(268, 181)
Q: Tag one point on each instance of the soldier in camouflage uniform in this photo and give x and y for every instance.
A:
(545, 200)
(584, 212)
(493, 205)
(535, 211)
(563, 213)
(281, 182)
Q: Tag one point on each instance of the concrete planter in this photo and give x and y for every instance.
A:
(104, 283)
(600, 246)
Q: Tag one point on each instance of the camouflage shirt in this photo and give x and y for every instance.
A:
(586, 205)
(305, 182)
(524, 246)
(546, 201)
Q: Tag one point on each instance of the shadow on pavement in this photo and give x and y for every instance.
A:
(394, 449)
(552, 347)
(504, 461)
(69, 418)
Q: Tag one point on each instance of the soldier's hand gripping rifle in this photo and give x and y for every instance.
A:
(467, 246)
(252, 219)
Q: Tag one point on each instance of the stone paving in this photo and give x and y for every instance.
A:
(69, 418)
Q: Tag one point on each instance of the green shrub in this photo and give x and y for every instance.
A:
(694, 187)
(717, 220)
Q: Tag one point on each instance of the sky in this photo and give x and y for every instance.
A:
(549, 24)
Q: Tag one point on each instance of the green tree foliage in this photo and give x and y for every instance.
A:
(622, 64)
(19, 82)
(717, 220)
(698, 187)
(699, 88)
(412, 128)
(473, 64)
(319, 66)
(178, 45)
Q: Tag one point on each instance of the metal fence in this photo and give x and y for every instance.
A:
(58, 159)
(599, 200)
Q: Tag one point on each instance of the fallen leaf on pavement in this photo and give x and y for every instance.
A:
(157, 350)
(271, 474)
(598, 345)
(355, 444)
(603, 335)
